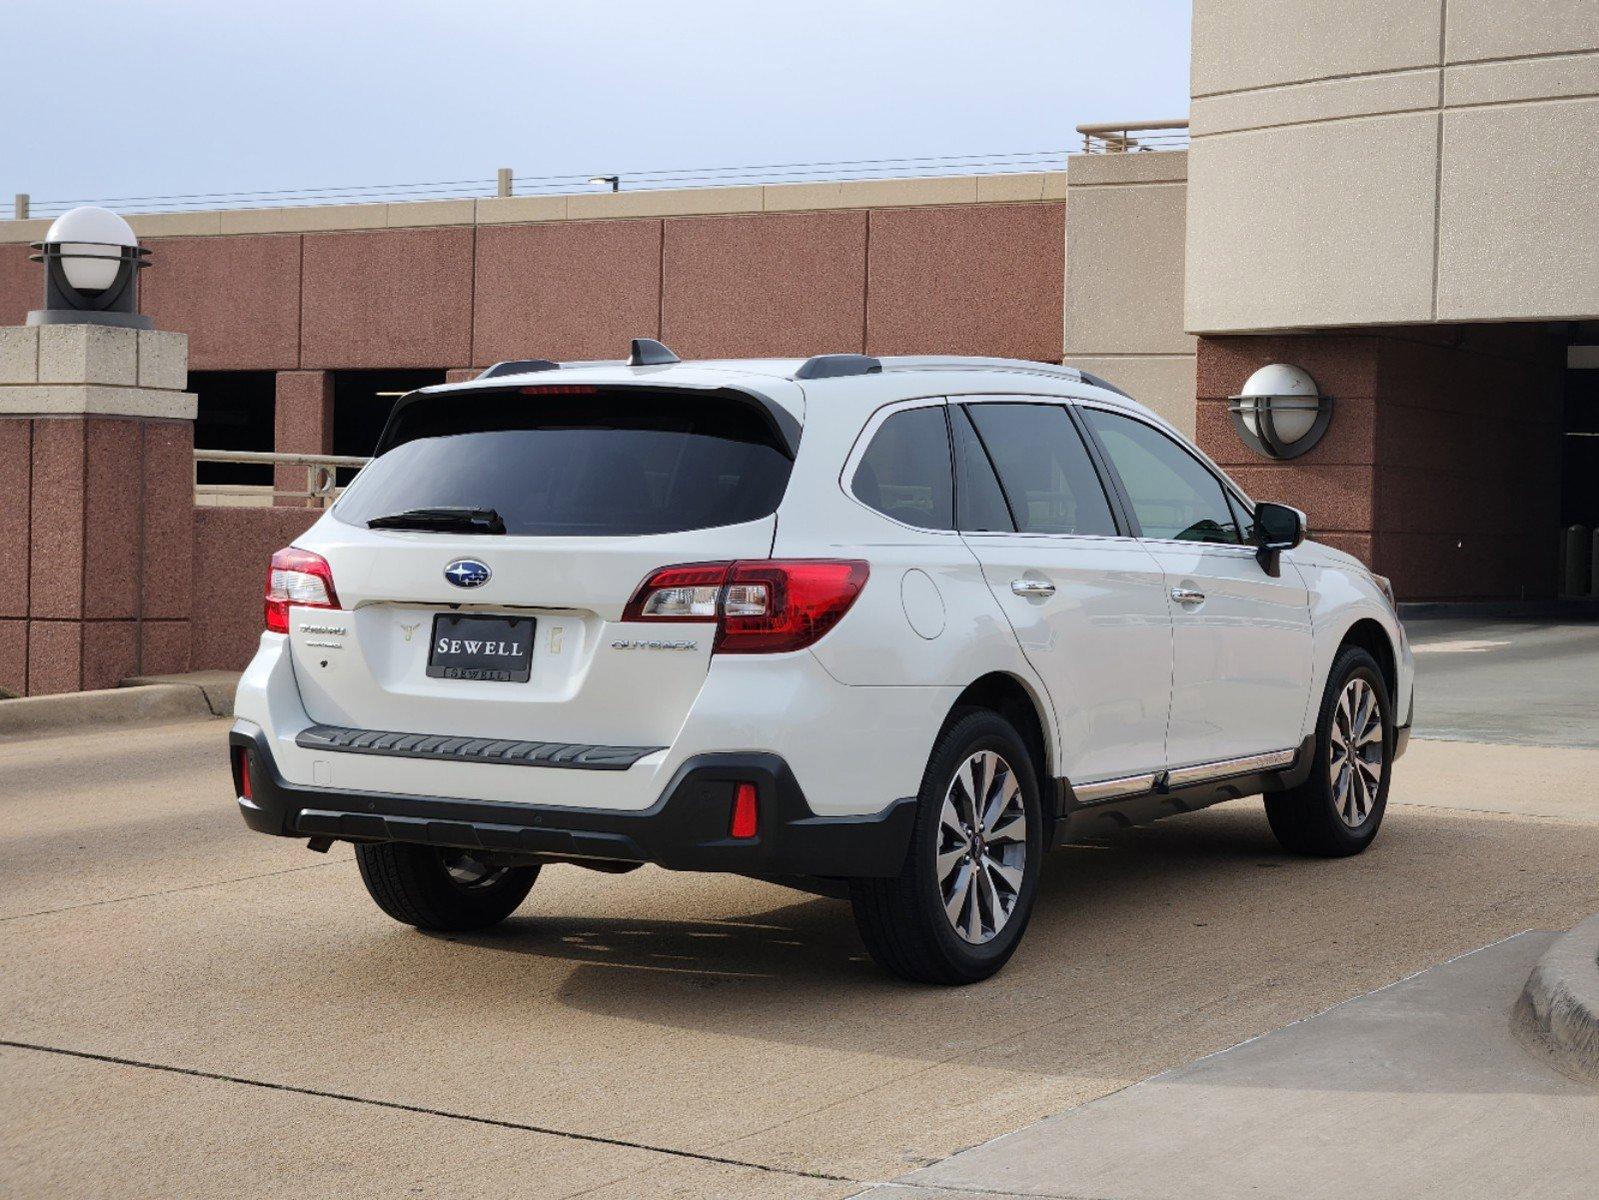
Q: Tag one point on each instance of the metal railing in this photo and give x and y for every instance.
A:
(321, 478)
(505, 182)
(1116, 137)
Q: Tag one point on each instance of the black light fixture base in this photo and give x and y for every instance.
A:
(70, 316)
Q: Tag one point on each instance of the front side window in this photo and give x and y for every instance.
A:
(1174, 496)
(1049, 480)
(905, 472)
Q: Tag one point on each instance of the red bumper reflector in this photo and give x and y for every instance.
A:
(243, 757)
(743, 824)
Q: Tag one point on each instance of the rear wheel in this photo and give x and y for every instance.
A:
(960, 904)
(1339, 808)
(441, 889)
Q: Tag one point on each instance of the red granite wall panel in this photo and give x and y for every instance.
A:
(55, 567)
(55, 657)
(165, 646)
(973, 279)
(13, 657)
(770, 285)
(238, 299)
(168, 525)
(110, 653)
(565, 291)
(16, 471)
(387, 298)
(112, 519)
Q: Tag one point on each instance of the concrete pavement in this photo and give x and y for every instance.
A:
(659, 1034)
(1417, 1089)
(1508, 681)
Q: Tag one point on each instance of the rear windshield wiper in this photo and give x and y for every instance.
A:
(451, 519)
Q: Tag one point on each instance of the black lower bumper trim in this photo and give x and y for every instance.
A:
(685, 829)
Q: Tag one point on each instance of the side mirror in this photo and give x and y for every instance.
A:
(1277, 528)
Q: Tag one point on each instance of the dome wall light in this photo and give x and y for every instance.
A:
(92, 261)
(1280, 413)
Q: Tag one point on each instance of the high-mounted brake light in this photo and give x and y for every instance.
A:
(297, 577)
(560, 389)
(760, 606)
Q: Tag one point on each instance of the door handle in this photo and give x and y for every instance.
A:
(1032, 587)
(1187, 596)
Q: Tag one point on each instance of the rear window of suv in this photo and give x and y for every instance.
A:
(609, 464)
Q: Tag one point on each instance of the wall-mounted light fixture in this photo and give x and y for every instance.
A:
(91, 263)
(1280, 413)
(614, 180)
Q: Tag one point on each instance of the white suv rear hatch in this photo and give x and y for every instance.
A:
(594, 488)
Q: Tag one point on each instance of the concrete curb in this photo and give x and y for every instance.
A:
(35, 716)
(1557, 1016)
(218, 687)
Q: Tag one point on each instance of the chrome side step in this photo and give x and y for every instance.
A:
(1164, 781)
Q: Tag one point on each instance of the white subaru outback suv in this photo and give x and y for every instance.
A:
(889, 628)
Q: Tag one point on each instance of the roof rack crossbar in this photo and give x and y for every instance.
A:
(838, 366)
(518, 366)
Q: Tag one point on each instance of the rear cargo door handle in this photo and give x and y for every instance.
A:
(1032, 587)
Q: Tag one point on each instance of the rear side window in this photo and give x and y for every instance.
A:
(905, 472)
(1044, 467)
(611, 464)
(978, 498)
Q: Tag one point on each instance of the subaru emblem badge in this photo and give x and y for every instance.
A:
(467, 573)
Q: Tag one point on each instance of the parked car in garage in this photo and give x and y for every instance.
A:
(892, 627)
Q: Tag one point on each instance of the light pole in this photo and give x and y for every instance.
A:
(614, 180)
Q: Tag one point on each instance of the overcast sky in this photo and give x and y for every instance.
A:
(152, 98)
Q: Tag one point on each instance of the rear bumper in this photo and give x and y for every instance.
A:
(684, 830)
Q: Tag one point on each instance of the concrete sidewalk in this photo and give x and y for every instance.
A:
(1415, 1089)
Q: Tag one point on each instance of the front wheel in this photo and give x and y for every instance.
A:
(1339, 808)
(447, 891)
(960, 904)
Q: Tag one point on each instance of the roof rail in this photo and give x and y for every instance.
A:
(647, 352)
(837, 366)
(1097, 381)
(962, 362)
(518, 366)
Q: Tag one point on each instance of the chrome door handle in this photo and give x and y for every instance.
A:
(1032, 587)
(1187, 596)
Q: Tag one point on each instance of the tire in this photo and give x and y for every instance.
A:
(904, 921)
(1324, 816)
(416, 886)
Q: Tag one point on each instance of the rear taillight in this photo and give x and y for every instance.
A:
(760, 606)
(297, 577)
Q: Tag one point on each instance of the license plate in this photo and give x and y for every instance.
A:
(467, 646)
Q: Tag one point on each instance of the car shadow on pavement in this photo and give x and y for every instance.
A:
(1129, 929)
